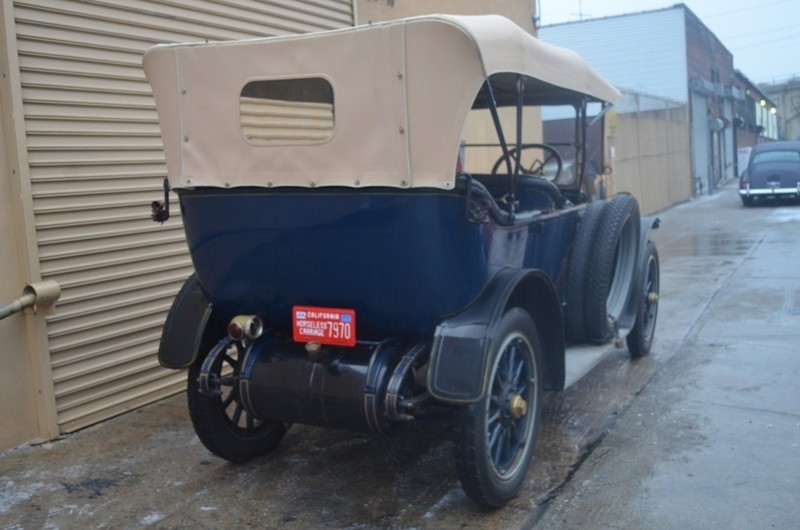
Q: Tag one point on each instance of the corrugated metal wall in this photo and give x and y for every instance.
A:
(96, 163)
(271, 121)
(729, 145)
(702, 168)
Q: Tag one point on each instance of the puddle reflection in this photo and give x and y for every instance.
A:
(709, 244)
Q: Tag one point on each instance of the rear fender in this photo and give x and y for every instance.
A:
(185, 326)
(463, 343)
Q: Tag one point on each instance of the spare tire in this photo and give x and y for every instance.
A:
(610, 277)
(579, 263)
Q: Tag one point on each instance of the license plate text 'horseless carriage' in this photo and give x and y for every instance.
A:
(376, 237)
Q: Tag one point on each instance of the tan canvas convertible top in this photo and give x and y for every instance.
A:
(401, 92)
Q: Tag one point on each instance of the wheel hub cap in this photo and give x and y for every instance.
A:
(517, 407)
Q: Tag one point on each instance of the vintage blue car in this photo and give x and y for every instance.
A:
(379, 233)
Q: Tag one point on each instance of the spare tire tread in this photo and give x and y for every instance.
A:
(599, 326)
(578, 268)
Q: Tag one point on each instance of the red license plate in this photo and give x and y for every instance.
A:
(326, 325)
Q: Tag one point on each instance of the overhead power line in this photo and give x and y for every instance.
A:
(761, 33)
(751, 8)
(743, 48)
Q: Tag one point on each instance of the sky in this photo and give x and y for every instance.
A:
(762, 35)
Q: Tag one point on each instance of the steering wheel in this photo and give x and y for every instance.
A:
(537, 167)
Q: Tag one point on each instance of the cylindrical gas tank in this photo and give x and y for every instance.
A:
(344, 388)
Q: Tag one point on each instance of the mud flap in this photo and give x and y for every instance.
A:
(463, 342)
(185, 326)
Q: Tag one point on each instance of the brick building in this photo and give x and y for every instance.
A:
(786, 97)
(668, 53)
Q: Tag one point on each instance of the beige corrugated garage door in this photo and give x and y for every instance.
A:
(96, 163)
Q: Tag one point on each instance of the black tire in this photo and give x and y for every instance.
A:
(611, 274)
(221, 422)
(497, 435)
(640, 339)
(578, 269)
(746, 200)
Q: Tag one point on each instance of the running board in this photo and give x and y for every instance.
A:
(580, 359)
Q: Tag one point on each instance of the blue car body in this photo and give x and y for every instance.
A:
(403, 260)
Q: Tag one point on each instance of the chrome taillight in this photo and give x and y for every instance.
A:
(245, 327)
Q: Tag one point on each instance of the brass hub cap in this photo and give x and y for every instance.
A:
(517, 407)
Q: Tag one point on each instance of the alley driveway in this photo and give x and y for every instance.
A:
(713, 440)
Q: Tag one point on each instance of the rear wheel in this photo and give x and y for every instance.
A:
(641, 336)
(221, 421)
(497, 435)
(747, 200)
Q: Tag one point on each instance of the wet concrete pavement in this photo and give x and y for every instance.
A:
(703, 433)
(713, 440)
